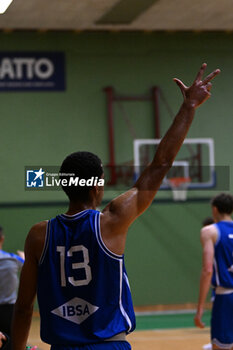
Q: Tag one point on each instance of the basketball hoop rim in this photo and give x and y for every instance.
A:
(176, 182)
(179, 187)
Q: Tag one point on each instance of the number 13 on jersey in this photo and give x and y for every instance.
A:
(75, 266)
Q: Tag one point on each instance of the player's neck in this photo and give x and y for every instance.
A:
(76, 207)
(224, 217)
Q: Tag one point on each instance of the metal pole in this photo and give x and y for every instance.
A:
(112, 165)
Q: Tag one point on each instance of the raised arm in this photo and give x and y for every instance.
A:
(123, 210)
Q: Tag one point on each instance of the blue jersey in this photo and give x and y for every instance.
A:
(223, 256)
(83, 290)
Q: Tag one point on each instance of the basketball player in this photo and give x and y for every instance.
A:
(75, 261)
(217, 243)
(10, 266)
(208, 221)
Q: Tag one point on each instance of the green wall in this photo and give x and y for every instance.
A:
(42, 128)
(164, 253)
(163, 250)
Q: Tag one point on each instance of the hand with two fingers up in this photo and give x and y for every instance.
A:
(199, 91)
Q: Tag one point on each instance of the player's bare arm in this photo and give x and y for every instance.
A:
(122, 211)
(21, 254)
(2, 337)
(208, 239)
(28, 283)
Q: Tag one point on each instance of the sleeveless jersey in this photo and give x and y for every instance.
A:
(83, 290)
(223, 256)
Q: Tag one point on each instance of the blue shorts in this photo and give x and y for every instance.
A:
(107, 345)
(222, 321)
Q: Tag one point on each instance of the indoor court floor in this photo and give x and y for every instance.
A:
(165, 339)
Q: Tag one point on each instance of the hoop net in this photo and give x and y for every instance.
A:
(179, 186)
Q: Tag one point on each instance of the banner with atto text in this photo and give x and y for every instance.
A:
(32, 71)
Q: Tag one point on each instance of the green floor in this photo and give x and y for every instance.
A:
(168, 321)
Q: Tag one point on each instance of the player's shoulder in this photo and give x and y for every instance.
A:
(37, 232)
(39, 226)
(209, 232)
(36, 238)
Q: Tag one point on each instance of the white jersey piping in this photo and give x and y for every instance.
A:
(218, 234)
(120, 297)
(100, 240)
(46, 243)
(74, 216)
(216, 272)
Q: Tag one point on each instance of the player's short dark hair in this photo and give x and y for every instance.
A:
(223, 202)
(84, 165)
(207, 221)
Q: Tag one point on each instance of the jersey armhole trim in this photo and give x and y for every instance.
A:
(124, 313)
(46, 243)
(218, 235)
(216, 273)
(101, 242)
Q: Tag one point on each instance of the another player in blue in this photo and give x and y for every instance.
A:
(10, 267)
(75, 262)
(217, 243)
